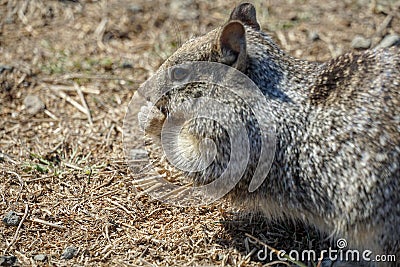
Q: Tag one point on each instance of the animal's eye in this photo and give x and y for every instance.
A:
(179, 74)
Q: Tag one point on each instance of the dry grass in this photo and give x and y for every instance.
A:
(62, 169)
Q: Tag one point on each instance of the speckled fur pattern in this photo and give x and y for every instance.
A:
(337, 162)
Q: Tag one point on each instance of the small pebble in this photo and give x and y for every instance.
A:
(389, 40)
(40, 257)
(33, 104)
(313, 36)
(69, 253)
(7, 260)
(11, 219)
(360, 42)
(4, 67)
(127, 65)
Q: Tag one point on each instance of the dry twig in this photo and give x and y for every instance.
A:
(84, 103)
(54, 225)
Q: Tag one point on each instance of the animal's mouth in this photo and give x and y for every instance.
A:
(161, 105)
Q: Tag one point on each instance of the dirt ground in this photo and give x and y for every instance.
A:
(62, 166)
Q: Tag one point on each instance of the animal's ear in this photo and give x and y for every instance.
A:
(246, 13)
(232, 45)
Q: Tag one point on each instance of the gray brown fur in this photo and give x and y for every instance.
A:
(337, 162)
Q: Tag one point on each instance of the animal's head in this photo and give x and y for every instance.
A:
(211, 128)
(226, 44)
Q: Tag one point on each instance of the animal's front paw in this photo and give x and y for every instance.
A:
(151, 119)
